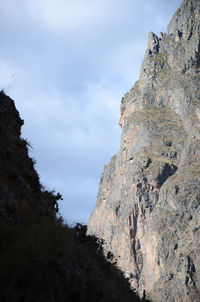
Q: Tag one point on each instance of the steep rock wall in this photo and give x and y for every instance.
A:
(148, 205)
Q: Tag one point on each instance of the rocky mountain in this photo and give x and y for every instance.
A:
(148, 205)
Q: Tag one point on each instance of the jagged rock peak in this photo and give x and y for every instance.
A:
(185, 18)
(178, 49)
(148, 204)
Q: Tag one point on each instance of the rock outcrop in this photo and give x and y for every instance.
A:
(148, 205)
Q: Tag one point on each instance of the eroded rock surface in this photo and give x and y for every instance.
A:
(148, 204)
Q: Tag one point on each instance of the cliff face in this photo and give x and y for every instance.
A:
(148, 205)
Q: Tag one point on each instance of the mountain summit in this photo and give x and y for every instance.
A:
(148, 205)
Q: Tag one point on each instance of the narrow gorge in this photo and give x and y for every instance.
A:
(41, 257)
(148, 205)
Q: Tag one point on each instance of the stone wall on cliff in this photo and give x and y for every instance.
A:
(148, 205)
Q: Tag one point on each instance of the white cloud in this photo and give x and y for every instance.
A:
(82, 124)
(7, 77)
(70, 15)
(127, 59)
(103, 101)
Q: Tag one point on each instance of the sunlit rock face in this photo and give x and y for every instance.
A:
(148, 205)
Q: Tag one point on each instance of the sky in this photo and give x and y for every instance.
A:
(67, 65)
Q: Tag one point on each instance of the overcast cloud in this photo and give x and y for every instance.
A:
(67, 64)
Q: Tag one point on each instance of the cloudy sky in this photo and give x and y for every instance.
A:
(67, 64)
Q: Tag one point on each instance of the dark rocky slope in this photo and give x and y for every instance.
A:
(41, 259)
(148, 205)
(21, 191)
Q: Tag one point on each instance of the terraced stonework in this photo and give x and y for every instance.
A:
(148, 205)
